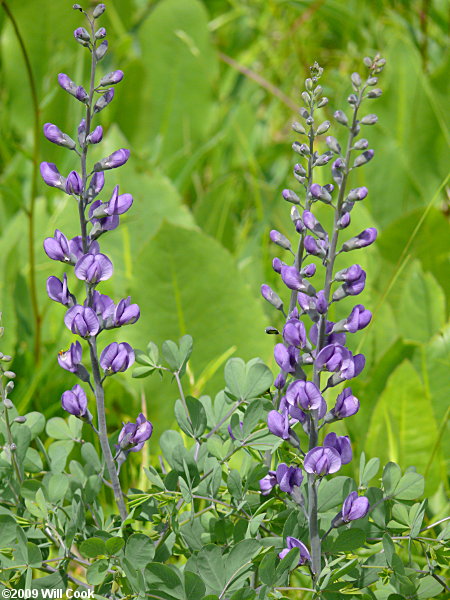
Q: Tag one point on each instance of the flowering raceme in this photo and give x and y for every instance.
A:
(97, 312)
(313, 345)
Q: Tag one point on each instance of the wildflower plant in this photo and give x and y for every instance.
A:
(247, 500)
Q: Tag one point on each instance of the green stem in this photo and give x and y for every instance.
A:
(30, 211)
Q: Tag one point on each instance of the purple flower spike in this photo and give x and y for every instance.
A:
(292, 542)
(126, 313)
(82, 320)
(309, 270)
(291, 278)
(94, 268)
(114, 160)
(74, 184)
(96, 185)
(69, 86)
(52, 176)
(365, 238)
(58, 291)
(55, 135)
(354, 507)
(267, 483)
(116, 357)
(304, 394)
(278, 424)
(108, 96)
(341, 444)
(322, 461)
(288, 477)
(71, 358)
(294, 333)
(346, 405)
(74, 402)
(312, 247)
(321, 303)
(286, 358)
(134, 435)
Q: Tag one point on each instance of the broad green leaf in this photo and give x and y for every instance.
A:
(211, 568)
(57, 487)
(195, 424)
(139, 550)
(93, 547)
(8, 527)
(428, 587)
(114, 545)
(397, 433)
(247, 381)
(58, 429)
(348, 540)
(163, 579)
(194, 588)
(97, 571)
(332, 492)
(391, 476)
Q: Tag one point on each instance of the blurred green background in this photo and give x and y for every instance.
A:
(209, 94)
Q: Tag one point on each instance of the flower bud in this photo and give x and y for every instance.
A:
(308, 271)
(74, 402)
(299, 169)
(96, 185)
(98, 10)
(333, 144)
(55, 135)
(369, 120)
(323, 159)
(52, 176)
(323, 128)
(320, 193)
(96, 136)
(100, 33)
(20, 420)
(8, 404)
(302, 149)
(103, 101)
(82, 36)
(304, 113)
(376, 93)
(352, 99)
(341, 117)
(357, 194)
(277, 264)
(298, 127)
(292, 279)
(77, 7)
(101, 50)
(372, 81)
(367, 61)
(111, 78)
(74, 184)
(306, 98)
(290, 196)
(361, 144)
(116, 357)
(313, 224)
(280, 240)
(356, 79)
(113, 161)
(322, 102)
(271, 297)
(68, 85)
(9, 387)
(363, 158)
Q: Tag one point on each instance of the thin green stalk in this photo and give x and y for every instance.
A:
(30, 211)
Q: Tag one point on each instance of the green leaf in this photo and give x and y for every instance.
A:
(348, 540)
(197, 424)
(58, 429)
(389, 548)
(235, 484)
(194, 588)
(97, 571)
(397, 434)
(370, 471)
(391, 476)
(90, 456)
(8, 529)
(211, 568)
(35, 423)
(57, 487)
(114, 545)
(93, 547)
(33, 461)
(410, 486)
(247, 381)
(58, 453)
(421, 311)
(164, 579)
(239, 561)
(140, 372)
(178, 356)
(139, 550)
(332, 492)
(428, 587)
(267, 568)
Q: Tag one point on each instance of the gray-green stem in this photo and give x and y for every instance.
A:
(92, 341)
